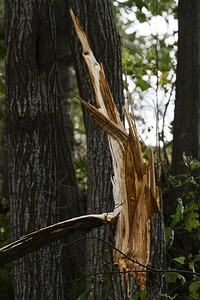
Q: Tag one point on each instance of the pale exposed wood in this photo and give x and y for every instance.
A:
(134, 187)
(44, 236)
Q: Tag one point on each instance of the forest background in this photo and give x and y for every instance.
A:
(149, 65)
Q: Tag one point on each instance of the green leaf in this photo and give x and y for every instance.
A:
(169, 235)
(194, 164)
(182, 278)
(141, 16)
(143, 84)
(174, 181)
(191, 266)
(173, 276)
(191, 221)
(180, 260)
(177, 181)
(191, 207)
(197, 257)
(187, 179)
(179, 213)
(2, 229)
(185, 159)
(194, 286)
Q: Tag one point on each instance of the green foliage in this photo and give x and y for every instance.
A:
(188, 218)
(195, 289)
(86, 295)
(180, 180)
(180, 260)
(173, 277)
(179, 213)
(169, 236)
(191, 163)
(142, 295)
(191, 221)
(80, 160)
(80, 167)
(148, 61)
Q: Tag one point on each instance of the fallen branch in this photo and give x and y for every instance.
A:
(37, 239)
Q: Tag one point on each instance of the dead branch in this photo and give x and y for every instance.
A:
(37, 239)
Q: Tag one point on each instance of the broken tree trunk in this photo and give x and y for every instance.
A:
(139, 231)
(135, 192)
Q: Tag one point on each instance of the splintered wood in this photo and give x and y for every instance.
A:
(135, 192)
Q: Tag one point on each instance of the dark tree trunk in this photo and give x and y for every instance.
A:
(186, 137)
(186, 128)
(73, 256)
(65, 67)
(32, 112)
(97, 20)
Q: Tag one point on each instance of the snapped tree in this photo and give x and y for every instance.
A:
(136, 197)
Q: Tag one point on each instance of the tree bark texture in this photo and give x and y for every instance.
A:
(136, 197)
(97, 20)
(64, 67)
(118, 289)
(32, 112)
(186, 128)
(72, 257)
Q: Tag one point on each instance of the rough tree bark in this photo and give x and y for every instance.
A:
(186, 129)
(65, 67)
(186, 137)
(69, 199)
(32, 118)
(97, 19)
(32, 112)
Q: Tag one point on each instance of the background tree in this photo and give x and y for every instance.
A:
(186, 119)
(34, 141)
(186, 137)
(70, 205)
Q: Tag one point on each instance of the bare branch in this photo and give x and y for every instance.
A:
(44, 236)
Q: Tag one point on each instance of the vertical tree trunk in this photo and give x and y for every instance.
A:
(72, 257)
(97, 20)
(186, 128)
(32, 112)
(64, 65)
